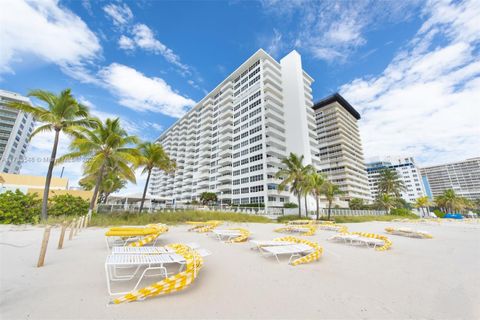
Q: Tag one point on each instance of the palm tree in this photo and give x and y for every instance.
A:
(330, 190)
(62, 114)
(317, 181)
(293, 174)
(105, 146)
(386, 201)
(390, 182)
(448, 200)
(422, 203)
(208, 197)
(152, 156)
(111, 182)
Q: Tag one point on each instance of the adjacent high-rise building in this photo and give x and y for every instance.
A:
(15, 129)
(232, 141)
(407, 171)
(463, 177)
(340, 147)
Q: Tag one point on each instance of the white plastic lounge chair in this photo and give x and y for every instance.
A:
(294, 250)
(150, 262)
(149, 250)
(269, 243)
(226, 235)
(345, 237)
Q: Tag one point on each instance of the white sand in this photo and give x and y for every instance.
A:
(417, 278)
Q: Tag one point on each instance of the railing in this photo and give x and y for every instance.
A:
(270, 211)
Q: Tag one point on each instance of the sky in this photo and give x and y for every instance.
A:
(411, 68)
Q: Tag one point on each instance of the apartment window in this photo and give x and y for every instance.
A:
(245, 118)
(256, 129)
(236, 201)
(244, 161)
(254, 113)
(236, 155)
(244, 102)
(244, 170)
(244, 200)
(256, 120)
(256, 188)
(256, 148)
(273, 199)
(256, 200)
(245, 190)
(254, 80)
(244, 180)
(236, 182)
(256, 138)
(256, 167)
(236, 163)
(244, 143)
(253, 96)
(244, 152)
(236, 172)
(245, 134)
(256, 158)
(236, 191)
(254, 104)
(253, 73)
(254, 65)
(256, 178)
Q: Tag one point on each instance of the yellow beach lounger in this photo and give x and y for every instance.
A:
(134, 236)
(203, 226)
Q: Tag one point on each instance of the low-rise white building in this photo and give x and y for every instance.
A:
(407, 171)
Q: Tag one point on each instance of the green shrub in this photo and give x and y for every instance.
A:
(400, 212)
(67, 205)
(19, 208)
(439, 213)
(290, 205)
(126, 218)
(291, 217)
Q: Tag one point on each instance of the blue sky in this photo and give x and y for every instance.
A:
(412, 68)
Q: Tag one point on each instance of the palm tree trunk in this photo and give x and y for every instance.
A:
(306, 207)
(329, 209)
(318, 207)
(107, 194)
(299, 206)
(95, 192)
(145, 190)
(46, 189)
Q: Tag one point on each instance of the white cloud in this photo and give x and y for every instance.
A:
(275, 43)
(46, 31)
(126, 43)
(141, 93)
(143, 37)
(120, 14)
(423, 102)
(332, 30)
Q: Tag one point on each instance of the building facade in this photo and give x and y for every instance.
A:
(407, 171)
(232, 142)
(15, 130)
(463, 177)
(340, 147)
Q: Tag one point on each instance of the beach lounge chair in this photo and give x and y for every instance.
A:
(269, 243)
(407, 232)
(134, 235)
(143, 265)
(232, 235)
(149, 250)
(294, 250)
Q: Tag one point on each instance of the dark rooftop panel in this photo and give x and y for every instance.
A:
(341, 100)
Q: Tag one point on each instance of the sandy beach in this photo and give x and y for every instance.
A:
(417, 278)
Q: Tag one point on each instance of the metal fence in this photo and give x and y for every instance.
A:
(270, 211)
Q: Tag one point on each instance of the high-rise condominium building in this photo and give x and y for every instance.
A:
(233, 140)
(407, 171)
(15, 129)
(463, 177)
(340, 146)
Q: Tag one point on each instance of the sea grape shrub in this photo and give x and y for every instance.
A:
(19, 208)
(67, 205)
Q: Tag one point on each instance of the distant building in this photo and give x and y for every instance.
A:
(340, 146)
(36, 184)
(407, 171)
(15, 130)
(463, 177)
